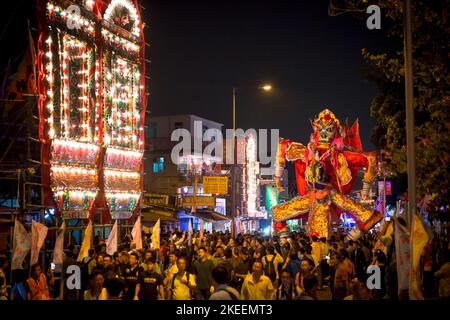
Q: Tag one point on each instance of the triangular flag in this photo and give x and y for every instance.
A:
(86, 245)
(58, 252)
(111, 243)
(136, 234)
(38, 234)
(156, 235)
(21, 245)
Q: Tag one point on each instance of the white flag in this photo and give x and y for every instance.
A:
(201, 230)
(156, 235)
(38, 234)
(111, 243)
(190, 232)
(136, 234)
(58, 252)
(21, 245)
(86, 245)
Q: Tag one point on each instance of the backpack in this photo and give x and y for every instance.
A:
(269, 269)
(231, 294)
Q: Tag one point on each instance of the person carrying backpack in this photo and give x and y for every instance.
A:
(271, 263)
(223, 291)
(182, 283)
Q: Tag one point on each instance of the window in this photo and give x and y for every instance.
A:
(158, 165)
(150, 131)
(178, 125)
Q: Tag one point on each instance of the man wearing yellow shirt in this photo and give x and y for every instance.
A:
(257, 286)
(317, 257)
(181, 284)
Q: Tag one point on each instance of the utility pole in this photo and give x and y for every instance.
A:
(410, 141)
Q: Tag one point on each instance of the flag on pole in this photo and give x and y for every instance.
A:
(402, 252)
(136, 234)
(87, 240)
(111, 243)
(420, 237)
(21, 245)
(156, 235)
(59, 245)
(38, 234)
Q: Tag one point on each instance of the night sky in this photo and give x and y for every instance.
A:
(199, 50)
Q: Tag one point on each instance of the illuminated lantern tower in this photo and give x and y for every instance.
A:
(91, 105)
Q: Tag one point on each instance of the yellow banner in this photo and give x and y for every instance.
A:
(215, 184)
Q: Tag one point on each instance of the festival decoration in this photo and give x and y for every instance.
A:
(326, 170)
(91, 76)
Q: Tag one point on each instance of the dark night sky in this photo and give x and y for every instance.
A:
(201, 49)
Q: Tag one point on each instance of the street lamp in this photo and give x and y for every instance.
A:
(265, 87)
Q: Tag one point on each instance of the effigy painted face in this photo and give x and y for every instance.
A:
(325, 127)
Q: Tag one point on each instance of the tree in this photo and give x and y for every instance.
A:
(431, 93)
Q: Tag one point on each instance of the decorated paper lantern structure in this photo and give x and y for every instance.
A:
(92, 104)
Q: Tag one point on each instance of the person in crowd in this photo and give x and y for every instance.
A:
(443, 277)
(347, 263)
(324, 253)
(359, 291)
(37, 286)
(182, 283)
(242, 268)
(115, 289)
(310, 285)
(257, 286)
(293, 264)
(342, 278)
(306, 268)
(131, 275)
(358, 260)
(202, 269)
(271, 262)
(222, 290)
(3, 287)
(150, 283)
(96, 290)
(287, 290)
(380, 262)
(98, 264)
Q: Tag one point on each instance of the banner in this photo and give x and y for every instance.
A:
(111, 242)
(156, 235)
(201, 230)
(136, 234)
(402, 251)
(38, 234)
(21, 245)
(86, 245)
(215, 185)
(420, 237)
(58, 252)
(190, 232)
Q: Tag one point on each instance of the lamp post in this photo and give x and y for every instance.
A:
(234, 167)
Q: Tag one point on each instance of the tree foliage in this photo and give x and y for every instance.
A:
(431, 96)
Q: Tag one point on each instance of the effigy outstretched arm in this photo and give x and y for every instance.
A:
(290, 151)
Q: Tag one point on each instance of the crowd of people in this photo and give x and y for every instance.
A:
(249, 267)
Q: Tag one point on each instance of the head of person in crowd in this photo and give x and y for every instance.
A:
(310, 283)
(314, 239)
(270, 250)
(286, 278)
(257, 268)
(306, 266)
(91, 253)
(219, 252)
(220, 275)
(243, 254)
(116, 258)
(181, 264)
(172, 258)
(150, 263)
(219, 242)
(228, 253)
(350, 243)
(99, 260)
(245, 244)
(134, 258)
(202, 254)
(323, 240)
(124, 256)
(115, 287)
(356, 245)
(148, 255)
(308, 249)
(343, 253)
(107, 261)
(231, 243)
(36, 271)
(171, 247)
(96, 281)
(380, 257)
